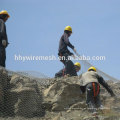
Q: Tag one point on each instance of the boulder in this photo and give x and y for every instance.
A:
(62, 95)
(26, 98)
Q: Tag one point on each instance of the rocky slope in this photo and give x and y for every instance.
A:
(51, 99)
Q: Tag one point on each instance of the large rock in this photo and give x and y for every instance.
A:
(62, 95)
(26, 97)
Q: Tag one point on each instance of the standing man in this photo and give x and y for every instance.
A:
(63, 51)
(90, 82)
(3, 37)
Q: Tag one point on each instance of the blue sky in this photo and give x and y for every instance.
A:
(35, 27)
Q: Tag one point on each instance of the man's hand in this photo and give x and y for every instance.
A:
(74, 50)
(4, 43)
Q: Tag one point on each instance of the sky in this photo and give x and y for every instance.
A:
(35, 27)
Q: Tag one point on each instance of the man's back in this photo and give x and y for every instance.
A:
(88, 77)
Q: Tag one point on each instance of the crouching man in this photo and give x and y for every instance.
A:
(72, 71)
(90, 83)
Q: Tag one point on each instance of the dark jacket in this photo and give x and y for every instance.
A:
(64, 42)
(3, 34)
(92, 76)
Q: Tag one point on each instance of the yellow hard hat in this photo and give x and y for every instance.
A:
(4, 12)
(92, 68)
(68, 28)
(78, 64)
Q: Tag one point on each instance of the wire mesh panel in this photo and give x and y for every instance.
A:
(85, 65)
(19, 95)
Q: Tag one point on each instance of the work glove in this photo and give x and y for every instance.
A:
(74, 50)
(4, 43)
(74, 56)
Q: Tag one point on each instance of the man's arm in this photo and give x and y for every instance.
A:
(105, 85)
(1, 27)
(66, 40)
(3, 33)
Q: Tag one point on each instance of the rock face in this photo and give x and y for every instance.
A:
(26, 97)
(52, 99)
(62, 95)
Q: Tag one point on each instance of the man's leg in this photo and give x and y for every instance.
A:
(98, 102)
(63, 58)
(90, 98)
(2, 57)
(69, 66)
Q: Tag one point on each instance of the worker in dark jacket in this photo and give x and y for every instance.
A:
(73, 70)
(3, 37)
(63, 51)
(90, 82)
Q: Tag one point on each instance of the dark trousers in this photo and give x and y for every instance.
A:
(2, 56)
(69, 66)
(64, 57)
(93, 96)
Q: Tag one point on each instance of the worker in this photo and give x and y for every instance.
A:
(63, 51)
(73, 70)
(3, 37)
(90, 82)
